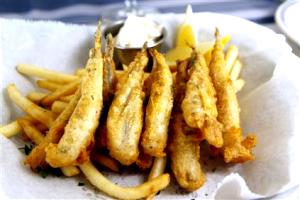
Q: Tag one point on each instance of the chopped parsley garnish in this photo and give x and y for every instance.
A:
(26, 149)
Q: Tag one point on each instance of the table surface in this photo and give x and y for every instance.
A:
(88, 12)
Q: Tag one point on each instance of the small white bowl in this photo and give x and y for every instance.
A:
(287, 18)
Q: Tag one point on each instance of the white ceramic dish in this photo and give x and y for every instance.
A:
(287, 18)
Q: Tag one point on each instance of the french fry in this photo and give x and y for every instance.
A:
(31, 131)
(58, 106)
(137, 192)
(10, 129)
(50, 75)
(67, 98)
(36, 97)
(236, 70)
(230, 56)
(48, 85)
(157, 169)
(40, 114)
(65, 90)
(80, 72)
(238, 85)
(70, 171)
(105, 161)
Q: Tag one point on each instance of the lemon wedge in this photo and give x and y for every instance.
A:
(179, 53)
(186, 36)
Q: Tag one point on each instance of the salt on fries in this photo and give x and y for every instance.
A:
(62, 120)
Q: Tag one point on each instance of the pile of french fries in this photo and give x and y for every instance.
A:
(69, 113)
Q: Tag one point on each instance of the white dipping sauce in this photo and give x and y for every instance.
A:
(136, 31)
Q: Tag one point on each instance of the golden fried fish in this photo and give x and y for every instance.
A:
(159, 108)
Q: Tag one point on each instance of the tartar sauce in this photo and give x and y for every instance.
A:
(136, 31)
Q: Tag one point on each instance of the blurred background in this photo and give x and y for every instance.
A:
(89, 11)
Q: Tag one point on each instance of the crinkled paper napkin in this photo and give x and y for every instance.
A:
(270, 107)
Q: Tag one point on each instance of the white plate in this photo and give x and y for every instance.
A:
(287, 18)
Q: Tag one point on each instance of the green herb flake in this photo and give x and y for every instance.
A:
(43, 173)
(26, 149)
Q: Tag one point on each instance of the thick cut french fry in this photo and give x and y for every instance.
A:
(37, 156)
(40, 114)
(65, 90)
(157, 169)
(98, 180)
(50, 75)
(230, 56)
(67, 99)
(36, 97)
(58, 106)
(10, 129)
(236, 70)
(105, 161)
(238, 85)
(48, 85)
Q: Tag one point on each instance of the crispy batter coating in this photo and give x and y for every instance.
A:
(228, 108)
(180, 83)
(159, 108)
(78, 137)
(199, 104)
(125, 116)
(185, 155)
(109, 71)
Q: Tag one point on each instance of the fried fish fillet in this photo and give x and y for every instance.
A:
(199, 104)
(109, 71)
(185, 155)
(159, 108)
(234, 149)
(78, 135)
(125, 115)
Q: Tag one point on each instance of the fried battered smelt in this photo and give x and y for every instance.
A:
(180, 83)
(36, 158)
(78, 137)
(159, 108)
(199, 104)
(228, 108)
(185, 154)
(125, 116)
(109, 71)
